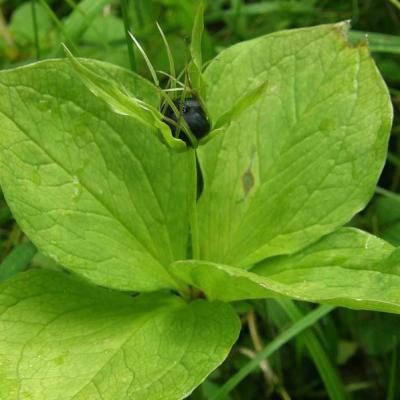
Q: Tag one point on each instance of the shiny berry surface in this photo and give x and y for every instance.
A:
(194, 116)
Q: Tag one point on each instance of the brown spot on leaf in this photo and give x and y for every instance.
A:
(247, 181)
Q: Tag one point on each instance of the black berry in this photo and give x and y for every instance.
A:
(194, 116)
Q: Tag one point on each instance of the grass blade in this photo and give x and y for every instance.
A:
(172, 71)
(197, 34)
(263, 8)
(378, 42)
(195, 61)
(35, 29)
(327, 371)
(298, 327)
(387, 193)
(127, 26)
(146, 59)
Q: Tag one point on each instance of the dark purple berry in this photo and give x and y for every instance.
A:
(194, 116)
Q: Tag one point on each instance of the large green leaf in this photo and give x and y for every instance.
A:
(63, 339)
(305, 157)
(347, 268)
(93, 189)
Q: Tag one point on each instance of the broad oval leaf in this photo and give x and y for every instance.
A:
(348, 268)
(305, 157)
(61, 338)
(93, 189)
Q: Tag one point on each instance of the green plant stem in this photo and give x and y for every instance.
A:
(125, 17)
(193, 208)
(298, 327)
(35, 29)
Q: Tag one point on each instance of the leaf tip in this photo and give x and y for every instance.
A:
(65, 48)
(68, 52)
(343, 29)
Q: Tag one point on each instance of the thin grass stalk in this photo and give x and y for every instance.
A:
(127, 27)
(298, 327)
(35, 30)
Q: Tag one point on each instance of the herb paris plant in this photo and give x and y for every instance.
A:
(96, 182)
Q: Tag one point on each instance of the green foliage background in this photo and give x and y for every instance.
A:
(364, 346)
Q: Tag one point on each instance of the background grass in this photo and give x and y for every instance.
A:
(346, 354)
